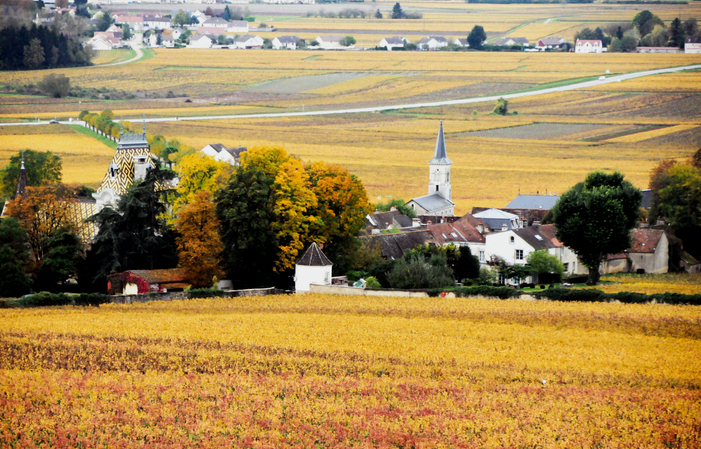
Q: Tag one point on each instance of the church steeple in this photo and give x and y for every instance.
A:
(22, 181)
(439, 169)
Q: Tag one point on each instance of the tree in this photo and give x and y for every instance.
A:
(584, 34)
(105, 21)
(126, 32)
(502, 107)
(691, 27)
(397, 12)
(14, 256)
(378, 14)
(226, 15)
(56, 86)
(245, 212)
(416, 271)
(677, 34)
(398, 204)
(595, 217)
(467, 266)
(182, 18)
(626, 44)
(347, 41)
(546, 266)
(41, 212)
(41, 169)
(199, 245)
(63, 255)
(34, 54)
(677, 197)
(136, 235)
(659, 37)
(477, 37)
(641, 20)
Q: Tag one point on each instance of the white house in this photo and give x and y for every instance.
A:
(221, 153)
(511, 41)
(237, 26)
(215, 25)
(201, 41)
(312, 268)
(461, 42)
(177, 32)
(329, 42)
(432, 43)
(156, 23)
(99, 43)
(167, 40)
(286, 42)
(393, 42)
(588, 46)
(692, 45)
(438, 201)
(200, 16)
(248, 41)
(462, 232)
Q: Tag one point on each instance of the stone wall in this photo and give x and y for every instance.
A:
(171, 296)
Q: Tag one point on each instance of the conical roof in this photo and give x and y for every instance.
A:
(440, 156)
(314, 257)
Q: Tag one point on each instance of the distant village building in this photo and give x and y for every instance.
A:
(438, 201)
(329, 42)
(202, 41)
(511, 41)
(393, 42)
(461, 42)
(156, 23)
(134, 282)
(692, 45)
(589, 46)
(221, 153)
(248, 41)
(286, 42)
(498, 220)
(237, 26)
(658, 50)
(432, 43)
(550, 43)
(312, 268)
(215, 26)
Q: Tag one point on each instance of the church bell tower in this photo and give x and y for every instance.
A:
(439, 169)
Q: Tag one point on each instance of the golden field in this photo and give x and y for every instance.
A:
(659, 283)
(334, 371)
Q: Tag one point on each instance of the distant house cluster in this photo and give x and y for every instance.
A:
(506, 234)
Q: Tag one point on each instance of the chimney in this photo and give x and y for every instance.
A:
(415, 222)
(480, 228)
(141, 166)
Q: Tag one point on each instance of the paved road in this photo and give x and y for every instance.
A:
(582, 85)
(139, 54)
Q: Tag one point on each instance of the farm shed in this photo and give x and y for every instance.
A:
(134, 282)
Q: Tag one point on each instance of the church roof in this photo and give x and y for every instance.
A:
(495, 213)
(440, 156)
(433, 202)
(314, 257)
(533, 202)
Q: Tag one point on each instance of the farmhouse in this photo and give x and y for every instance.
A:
(156, 23)
(393, 42)
(215, 26)
(221, 153)
(461, 42)
(432, 43)
(462, 232)
(649, 253)
(286, 42)
(248, 41)
(438, 201)
(511, 41)
(237, 26)
(202, 41)
(589, 46)
(329, 42)
(550, 42)
(100, 43)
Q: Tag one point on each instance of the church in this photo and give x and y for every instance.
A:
(438, 201)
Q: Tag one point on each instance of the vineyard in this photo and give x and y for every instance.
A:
(323, 371)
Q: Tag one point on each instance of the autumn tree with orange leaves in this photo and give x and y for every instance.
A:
(199, 245)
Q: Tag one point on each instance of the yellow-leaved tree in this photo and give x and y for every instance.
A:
(199, 245)
(198, 172)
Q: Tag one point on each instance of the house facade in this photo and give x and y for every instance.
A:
(214, 25)
(248, 41)
(511, 41)
(432, 43)
(550, 43)
(201, 41)
(286, 42)
(237, 26)
(692, 45)
(439, 198)
(329, 42)
(589, 46)
(393, 42)
(221, 153)
(461, 42)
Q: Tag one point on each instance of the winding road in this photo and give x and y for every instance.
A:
(581, 85)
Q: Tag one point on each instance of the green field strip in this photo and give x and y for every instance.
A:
(88, 132)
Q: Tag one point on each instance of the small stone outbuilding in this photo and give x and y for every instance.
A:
(312, 268)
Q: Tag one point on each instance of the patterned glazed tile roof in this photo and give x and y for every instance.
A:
(120, 174)
(81, 210)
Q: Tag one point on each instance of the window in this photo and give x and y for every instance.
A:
(519, 254)
(512, 239)
(566, 265)
(538, 237)
(481, 256)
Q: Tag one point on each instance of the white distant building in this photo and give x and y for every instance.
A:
(461, 42)
(167, 41)
(248, 41)
(550, 42)
(393, 42)
(312, 268)
(221, 153)
(99, 43)
(215, 26)
(432, 43)
(156, 23)
(200, 16)
(692, 45)
(511, 41)
(286, 42)
(237, 26)
(201, 41)
(329, 42)
(588, 46)
(438, 201)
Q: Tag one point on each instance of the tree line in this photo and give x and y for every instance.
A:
(40, 47)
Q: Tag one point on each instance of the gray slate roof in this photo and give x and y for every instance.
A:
(433, 202)
(440, 156)
(537, 239)
(314, 257)
(533, 202)
(395, 40)
(288, 39)
(393, 246)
